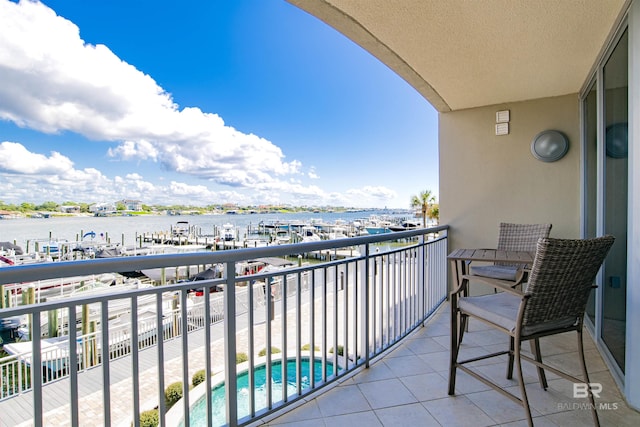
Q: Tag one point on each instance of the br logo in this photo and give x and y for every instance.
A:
(582, 390)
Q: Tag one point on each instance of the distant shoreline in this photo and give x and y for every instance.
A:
(10, 214)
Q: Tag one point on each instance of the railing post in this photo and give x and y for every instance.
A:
(36, 371)
(160, 354)
(231, 382)
(184, 336)
(73, 367)
(422, 277)
(135, 365)
(106, 370)
(365, 305)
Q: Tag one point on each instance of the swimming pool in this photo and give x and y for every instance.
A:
(197, 415)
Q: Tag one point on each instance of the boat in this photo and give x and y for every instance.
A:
(406, 224)
(180, 229)
(228, 232)
(309, 233)
(51, 247)
(377, 225)
(338, 232)
(282, 237)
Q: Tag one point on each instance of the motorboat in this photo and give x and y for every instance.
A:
(228, 232)
(180, 229)
(309, 233)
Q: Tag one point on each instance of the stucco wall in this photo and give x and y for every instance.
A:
(487, 179)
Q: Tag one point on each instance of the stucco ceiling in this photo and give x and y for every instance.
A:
(467, 53)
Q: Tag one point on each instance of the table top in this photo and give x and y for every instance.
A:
(492, 255)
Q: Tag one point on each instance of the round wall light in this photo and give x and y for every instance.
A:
(616, 137)
(549, 146)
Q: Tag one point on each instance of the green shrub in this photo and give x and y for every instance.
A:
(198, 377)
(149, 418)
(340, 350)
(172, 394)
(241, 357)
(307, 347)
(263, 352)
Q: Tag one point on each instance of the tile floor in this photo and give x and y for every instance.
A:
(408, 387)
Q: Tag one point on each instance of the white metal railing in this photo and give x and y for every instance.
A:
(342, 310)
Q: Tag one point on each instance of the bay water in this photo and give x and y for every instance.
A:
(126, 229)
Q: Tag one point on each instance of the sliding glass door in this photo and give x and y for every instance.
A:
(606, 193)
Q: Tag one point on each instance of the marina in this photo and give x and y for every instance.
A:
(79, 237)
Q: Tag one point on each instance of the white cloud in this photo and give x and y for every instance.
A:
(312, 173)
(372, 193)
(15, 157)
(52, 81)
(54, 177)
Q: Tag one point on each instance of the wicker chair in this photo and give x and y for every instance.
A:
(554, 302)
(512, 237)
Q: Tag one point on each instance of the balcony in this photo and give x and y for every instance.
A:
(363, 296)
(381, 304)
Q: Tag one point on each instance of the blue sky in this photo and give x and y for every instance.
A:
(203, 102)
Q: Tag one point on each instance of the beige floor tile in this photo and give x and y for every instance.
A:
(465, 383)
(427, 386)
(407, 365)
(457, 411)
(377, 371)
(438, 361)
(443, 340)
(406, 415)
(386, 393)
(344, 399)
(577, 418)
(297, 423)
(498, 374)
(305, 412)
(498, 407)
(424, 345)
(368, 419)
(537, 421)
(486, 337)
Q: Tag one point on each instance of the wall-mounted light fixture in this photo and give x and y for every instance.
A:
(616, 138)
(549, 146)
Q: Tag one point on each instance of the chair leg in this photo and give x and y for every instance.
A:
(585, 374)
(453, 350)
(535, 349)
(510, 364)
(457, 331)
(523, 391)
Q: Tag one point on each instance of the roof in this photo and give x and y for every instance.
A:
(462, 54)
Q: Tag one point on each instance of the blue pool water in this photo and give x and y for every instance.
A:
(197, 415)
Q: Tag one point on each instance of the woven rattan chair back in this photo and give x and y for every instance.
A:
(561, 279)
(521, 237)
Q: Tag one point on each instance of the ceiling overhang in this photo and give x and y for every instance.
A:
(463, 54)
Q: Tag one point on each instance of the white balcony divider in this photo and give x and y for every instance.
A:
(119, 351)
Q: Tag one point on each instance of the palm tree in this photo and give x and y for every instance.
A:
(422, 201)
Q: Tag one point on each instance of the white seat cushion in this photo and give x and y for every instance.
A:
(502, 272)
(500, 308)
